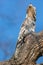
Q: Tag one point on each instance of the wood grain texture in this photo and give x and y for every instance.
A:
(29, 50)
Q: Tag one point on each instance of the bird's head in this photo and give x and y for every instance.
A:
(31, 12)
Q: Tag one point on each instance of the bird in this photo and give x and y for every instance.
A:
(27, 27)
(29, 23)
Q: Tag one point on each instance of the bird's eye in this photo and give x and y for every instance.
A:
(33, 24)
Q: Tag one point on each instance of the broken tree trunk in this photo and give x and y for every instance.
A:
(28, 50)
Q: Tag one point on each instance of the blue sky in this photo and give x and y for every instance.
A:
(12, 14)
